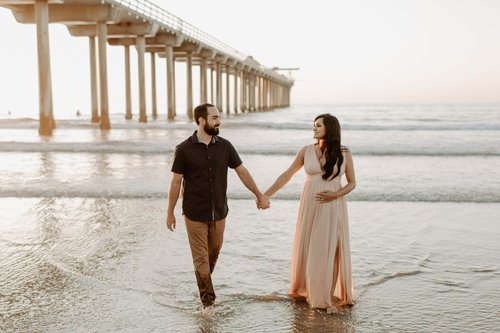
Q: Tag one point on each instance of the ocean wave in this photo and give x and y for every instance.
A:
(30, 123)
(239, 123)
(416, 126)
(149, 148)
(388, 277)
(456, 197)
(110, 147)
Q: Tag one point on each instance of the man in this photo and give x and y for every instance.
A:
(202, 162)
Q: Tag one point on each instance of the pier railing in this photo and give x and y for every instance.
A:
(172, 22)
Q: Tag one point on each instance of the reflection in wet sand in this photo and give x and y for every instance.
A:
(307, 319)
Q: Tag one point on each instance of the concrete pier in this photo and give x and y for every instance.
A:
(154, 109)
(44, 73)
(141, 50)
(152, 29)
(93, 81)
(189, 81)
(102, 34)
(128, 87)
(170, 81)
(218, 85)
(227, 88)
(235, 94)
(203, 80)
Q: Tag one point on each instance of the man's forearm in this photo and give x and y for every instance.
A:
(173, 196)
(249, 183)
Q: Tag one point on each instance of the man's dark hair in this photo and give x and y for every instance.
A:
(201, 111)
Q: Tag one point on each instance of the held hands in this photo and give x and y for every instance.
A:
(326, 196)
(171, 222)
(263, 202)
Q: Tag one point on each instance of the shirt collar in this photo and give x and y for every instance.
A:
(194, 138)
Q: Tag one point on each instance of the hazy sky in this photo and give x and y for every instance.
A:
(357, 51)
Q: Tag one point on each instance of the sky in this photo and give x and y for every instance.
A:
(357, 51)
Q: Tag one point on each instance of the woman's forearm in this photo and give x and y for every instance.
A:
(278, 184)
(346, 189)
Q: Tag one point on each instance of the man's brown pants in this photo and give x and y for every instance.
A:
(205, 240)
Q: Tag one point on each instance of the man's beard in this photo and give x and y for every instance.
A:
(211, 130)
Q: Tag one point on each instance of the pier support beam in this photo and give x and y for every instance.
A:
(283, 95)
(259, 93)
(265, 105)
(174, 87)
(128, 87)
(218, 69)
(228, 71)
(44, 72)
(266, 94)
(256, 92)
(153, 86)
(252, 91)
(271, 85)
(271, 106)
(275, 96)
(93, 81)
(212, 100)
(264, 87)
(189, 81)
(263, 94)
(169, 52)
(280, 95)
(103, 75)
(141, 50)
(277, 87)
(243, 93)
(235, 99)
(203, 80)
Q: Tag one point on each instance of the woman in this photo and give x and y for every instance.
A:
(321, 260)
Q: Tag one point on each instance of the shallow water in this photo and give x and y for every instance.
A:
(82, 264)
(83, 246)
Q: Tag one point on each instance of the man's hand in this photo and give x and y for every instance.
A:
(263, 202)
(171, 222)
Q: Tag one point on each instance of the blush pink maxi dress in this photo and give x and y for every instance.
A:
(321, 259)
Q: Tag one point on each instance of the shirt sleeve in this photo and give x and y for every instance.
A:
(178, 165)
(234, 158)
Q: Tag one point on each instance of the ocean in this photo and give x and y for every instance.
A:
(84, 247)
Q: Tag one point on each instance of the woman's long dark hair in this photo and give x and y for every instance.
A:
(333, 149)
